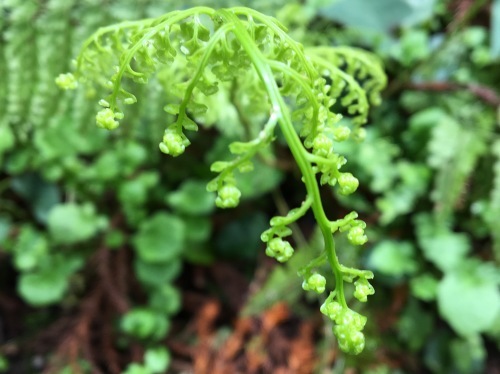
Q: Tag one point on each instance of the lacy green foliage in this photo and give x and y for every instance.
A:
(201, 51)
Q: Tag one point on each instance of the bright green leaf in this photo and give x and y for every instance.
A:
(192, 198)
(442, 247)
(412, 47)
(469, 299)
(393, 258)
(160, 238)
(157, 359)
(42, 288)
(71, 223)
(29, 249)
(135, 368)
(446, 250)
(145, 323)
(424, 287)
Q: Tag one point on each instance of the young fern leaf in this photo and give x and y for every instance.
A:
(288, 84)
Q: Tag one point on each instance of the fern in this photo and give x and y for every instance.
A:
(52, 42)
(454, 167)
(19, 57)
(202, 51)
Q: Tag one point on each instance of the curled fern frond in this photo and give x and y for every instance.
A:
(201, 51)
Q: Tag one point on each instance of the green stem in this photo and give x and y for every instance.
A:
(201, 67)
(298, 151)
(259, 143)
(172, 19)
(283, 208)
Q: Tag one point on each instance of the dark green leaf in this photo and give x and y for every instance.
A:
(158, 273)
(40, 195)
(165, 299)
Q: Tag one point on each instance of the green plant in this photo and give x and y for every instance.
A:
(203, 52)
(430, 167)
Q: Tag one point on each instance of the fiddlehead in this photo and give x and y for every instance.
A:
(201, 51)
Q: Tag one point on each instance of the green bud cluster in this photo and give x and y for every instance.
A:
(228, 196)
(348, 325)
(330, 162)
(322, 145)
(315, 282)
(276, 247)
(356, 235)
(350, 340)
(106, 119)
(174, 142)
(67, 81)
(279, 249)
(363, 289)
(355, 228)
(347, 183)
(341, 133)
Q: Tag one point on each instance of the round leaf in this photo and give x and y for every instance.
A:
(157, 359)
(469, 300)
(72, 223)
(42, 288)
(192, 198)
(145, 323)
(393, 258)
(160, 238)
(154, 274)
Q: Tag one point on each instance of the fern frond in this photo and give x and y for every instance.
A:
(453, 152)
(52, 27)
(20, 57)
(199, 51)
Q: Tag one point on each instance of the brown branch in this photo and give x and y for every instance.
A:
(105, 274)
(486, 94)
(464, 12)
(76, 343)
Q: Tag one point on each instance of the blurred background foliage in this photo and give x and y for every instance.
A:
(103, 239)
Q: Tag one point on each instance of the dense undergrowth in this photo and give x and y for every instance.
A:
(81, 209)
